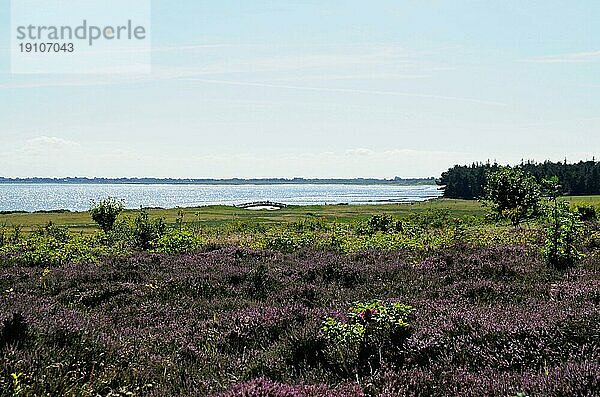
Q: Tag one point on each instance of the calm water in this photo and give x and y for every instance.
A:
(35, 197)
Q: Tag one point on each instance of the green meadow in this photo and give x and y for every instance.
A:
(221, 215)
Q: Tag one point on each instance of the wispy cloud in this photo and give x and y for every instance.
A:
(573, 57)
(40, 146)
(347, 91)
(364, 76)
(376, 63)
(359, 152)
(45, 143)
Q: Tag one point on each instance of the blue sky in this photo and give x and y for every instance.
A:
(319, 89)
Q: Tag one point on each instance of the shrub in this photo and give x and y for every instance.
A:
(563, 230)
(177, 242)
(289, 241)
(16, 234)
(146, 231)
(105, 212)
(593, 240)
(310, 225)
(433, 218)
(48, 251)
(586, 212)
(513, 194)
(371, 334)
(57, 232)
(562, 234)
(381, 223)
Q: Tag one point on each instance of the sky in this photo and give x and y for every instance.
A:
(344, 89)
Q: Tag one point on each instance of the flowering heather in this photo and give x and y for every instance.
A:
(264, 387)
(488, 320)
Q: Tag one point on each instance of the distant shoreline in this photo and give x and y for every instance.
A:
(234, 181)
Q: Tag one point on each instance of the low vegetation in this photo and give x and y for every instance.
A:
(435, 299)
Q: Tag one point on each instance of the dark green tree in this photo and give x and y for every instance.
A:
(468, 182)
(512, 194)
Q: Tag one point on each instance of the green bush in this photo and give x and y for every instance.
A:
(513, 194)
(371, 334)
(586, 212)
(380, 223)
(285, 240)
(48, 251)
(3, 237)
(16, 236)
(433, 218)
(593, 240)
(563, 231)
(105, 212)
(310, 225)
(60, 233)
(146, 232)
(397, 241)
(177, 242)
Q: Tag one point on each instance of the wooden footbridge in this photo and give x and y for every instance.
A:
(262, 204)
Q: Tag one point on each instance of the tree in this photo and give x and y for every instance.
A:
(563, 229)
(513, 194)
(105, 212)
(468, 182)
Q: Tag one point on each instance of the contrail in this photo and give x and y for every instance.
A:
(346, 90)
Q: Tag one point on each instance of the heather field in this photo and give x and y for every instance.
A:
(435, 299)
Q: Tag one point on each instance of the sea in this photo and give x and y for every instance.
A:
(78, 197)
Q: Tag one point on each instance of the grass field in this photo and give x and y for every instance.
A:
(215, 215)
(219, 215)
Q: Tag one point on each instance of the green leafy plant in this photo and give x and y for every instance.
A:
(383, 223)
(512, 194)
(48, 251)
(586, 212)
(147, 232)
(563, 230)
(177, 241)
(57, 232)
(16, 234)
(345, 340)
(285, 240)
(435, 218)
(105, 212)
(373, 330)
(17, 387)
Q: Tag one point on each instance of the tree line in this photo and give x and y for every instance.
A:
(469, 181)
(233, 181)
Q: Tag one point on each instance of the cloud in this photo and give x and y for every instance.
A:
(45, 145)
(347, 90)
(358, 152)
(43, 155)
(365, 76)
(573, 57)
(51, 142)
(345, 63)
